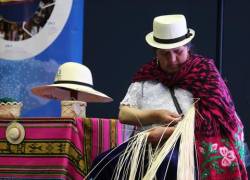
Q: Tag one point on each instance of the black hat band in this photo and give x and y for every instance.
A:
(175, 40)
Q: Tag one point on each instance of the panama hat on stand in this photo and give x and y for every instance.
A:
(73, 81)
(169, 31)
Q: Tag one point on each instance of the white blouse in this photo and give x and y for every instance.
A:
(154, 95)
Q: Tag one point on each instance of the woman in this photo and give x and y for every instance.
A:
(163, 90)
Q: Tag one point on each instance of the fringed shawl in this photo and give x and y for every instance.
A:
(218, 130)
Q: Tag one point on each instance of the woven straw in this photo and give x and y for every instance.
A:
(73, 109)
(10, 109)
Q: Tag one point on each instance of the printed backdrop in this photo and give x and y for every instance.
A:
(34, 41)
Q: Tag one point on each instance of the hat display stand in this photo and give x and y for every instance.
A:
(73, 108)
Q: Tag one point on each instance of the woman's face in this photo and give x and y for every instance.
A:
(170, 60)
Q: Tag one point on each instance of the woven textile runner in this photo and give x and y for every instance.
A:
(57, 148)
(101, 135)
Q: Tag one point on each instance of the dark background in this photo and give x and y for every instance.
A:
(115, 46)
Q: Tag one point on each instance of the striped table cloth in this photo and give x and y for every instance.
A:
(56, 148)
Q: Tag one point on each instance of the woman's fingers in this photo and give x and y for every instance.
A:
(160, 132)
(165, 116)
(174, 115)
(171, 117)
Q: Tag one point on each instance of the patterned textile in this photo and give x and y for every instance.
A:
(101, 135)
(218, 130)
(56, 148)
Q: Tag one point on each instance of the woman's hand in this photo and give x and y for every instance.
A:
(166, 117)
(156, 133)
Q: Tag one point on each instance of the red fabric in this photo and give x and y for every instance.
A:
(216, 122)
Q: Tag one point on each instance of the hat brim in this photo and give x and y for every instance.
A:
(150, 40)
(63, 92)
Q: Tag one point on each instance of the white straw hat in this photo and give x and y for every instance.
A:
(73, 81)
(15, 133)
(169, 31)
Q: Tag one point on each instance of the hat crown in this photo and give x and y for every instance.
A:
(76, 72)
(169, 26)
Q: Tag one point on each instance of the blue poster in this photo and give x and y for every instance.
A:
(34, 41)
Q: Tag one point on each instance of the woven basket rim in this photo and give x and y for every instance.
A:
(11, 103)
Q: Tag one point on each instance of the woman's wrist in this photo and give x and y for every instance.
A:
(155, 115)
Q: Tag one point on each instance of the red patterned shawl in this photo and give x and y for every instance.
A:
(218, 130)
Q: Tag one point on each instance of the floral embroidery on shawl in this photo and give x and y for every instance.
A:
(218, 158)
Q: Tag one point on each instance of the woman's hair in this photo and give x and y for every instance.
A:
(189, 45)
